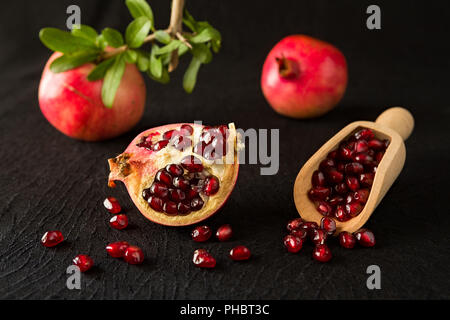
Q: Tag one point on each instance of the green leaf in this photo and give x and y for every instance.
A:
(189, 21)
(136, 32)
(165, 77)
(101, 42)
(100, 70)
(112, 80)
(156, 65)
(173, 45)
(202, 53)
(63, 41)
(140, 8)
(130, 56)
(85, 32)
(182, 49)
(143, 61)
(67, 62)
(112, 37)
(190, 76)
(206, 35)
(162, 36)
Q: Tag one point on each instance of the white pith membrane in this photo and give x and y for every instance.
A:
(136, 167)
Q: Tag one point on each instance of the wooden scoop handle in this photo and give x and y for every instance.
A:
(398, 119)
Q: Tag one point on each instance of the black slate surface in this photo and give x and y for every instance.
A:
(48, 181)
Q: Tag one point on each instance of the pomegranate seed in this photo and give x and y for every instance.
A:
(181, 183)
(327, 164)
(170, 207)
(341, 188)
(196, 203)
(84, 262)
(349, 198)
(352, 183)
(192, 164)
(159, 189)
(376, 144)
(156, 203)
(347, 240)
(379, 156)
(224, 233)
(345, 153)
(240, 253)
(309, 227)
(294, 224)
(324, 208)
(365, 237)
(361, 146)
(146, 193)
(52, 238)
(186, 129)
(117, 249)
(318, 236)
(119, 221)
(301, 233)
(322, 253)
(160, 145)
(365, 134)
(353, 208)
(112, 205)
(328, 224)
(319, 193)
(133, 255)
(203, 259)
(177, 195)
(361, 195)
(340, 214)
(163, 176)
(293, 243)
(334, 176)
(211, 185)
(168, 134)
(183, 208)
(354, 168)
(174, 169)
(332, 154)
(363, 158)
(318, 179)
(340, 167)
(181, 143)
(334, 201)
(201, 234)
(366, 179)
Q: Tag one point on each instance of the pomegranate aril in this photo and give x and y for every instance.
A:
(361, 195)
(159, 189)
(318, 236)
(181, 143)
(301, 233)
(224, 233)
(366, 179)
(203, 259)
(168, 134)
(340, 214)
(186, 129)
(293, 243)
(240, 253)
(112, 205)
(328, 224)
(318, 179)
(322, 253)
(170, 207)
(340, 167)
(192, 164)
(163, 176)
(133, 255)
(336, 200)
(379, 156)
(376, 144)
(83, 261)
(332, 154)
(201, 233)
(319, 193)
(327, 164)
(365, 237)
(174, 169)
(365, 134)
(309, 226)
(334, 176)
(363, 158)
(119, 221)
(146, 193)
(349, 198)
(353, 208)
(181, 183)
(345, 153)
(211, 186)
(324, 208)
(352, 183)
(156, 203)
(347, 240)
(177, 195)
(52, 238)
(183, 208)
(354, 168)
(361, 146)
(341, 188)
(160, 145)
(197, 203)
(294, 224)
(117, 249)
(191, 193)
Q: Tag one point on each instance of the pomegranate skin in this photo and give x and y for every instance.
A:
(73, 104)
(315, 80)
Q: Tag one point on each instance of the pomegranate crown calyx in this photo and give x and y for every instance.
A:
(287, 68)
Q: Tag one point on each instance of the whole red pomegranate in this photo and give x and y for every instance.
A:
(73, 104)
(304, 77)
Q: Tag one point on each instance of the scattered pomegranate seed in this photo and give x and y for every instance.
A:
(294, 224)
(117, 249)
(318, 236)
(201, 234)
(133, 255)
(112, 205)
(224, 233)
(328, 224)
(240, 253)
(293, 243)
(322, 253)
(347, 240)
(203, 259)
(84, 262)
(365, 237)
(309, 227)
(119, 221)
(52, 238)
(301, 233)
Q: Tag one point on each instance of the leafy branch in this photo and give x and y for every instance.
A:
(154, 51)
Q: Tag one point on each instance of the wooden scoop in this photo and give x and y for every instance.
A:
(395, 124)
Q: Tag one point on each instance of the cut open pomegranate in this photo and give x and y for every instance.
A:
(179, 174)
(341, 185)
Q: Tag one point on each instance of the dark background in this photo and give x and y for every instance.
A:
(48, 181)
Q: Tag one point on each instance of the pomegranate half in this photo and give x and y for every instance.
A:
(179, 174)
